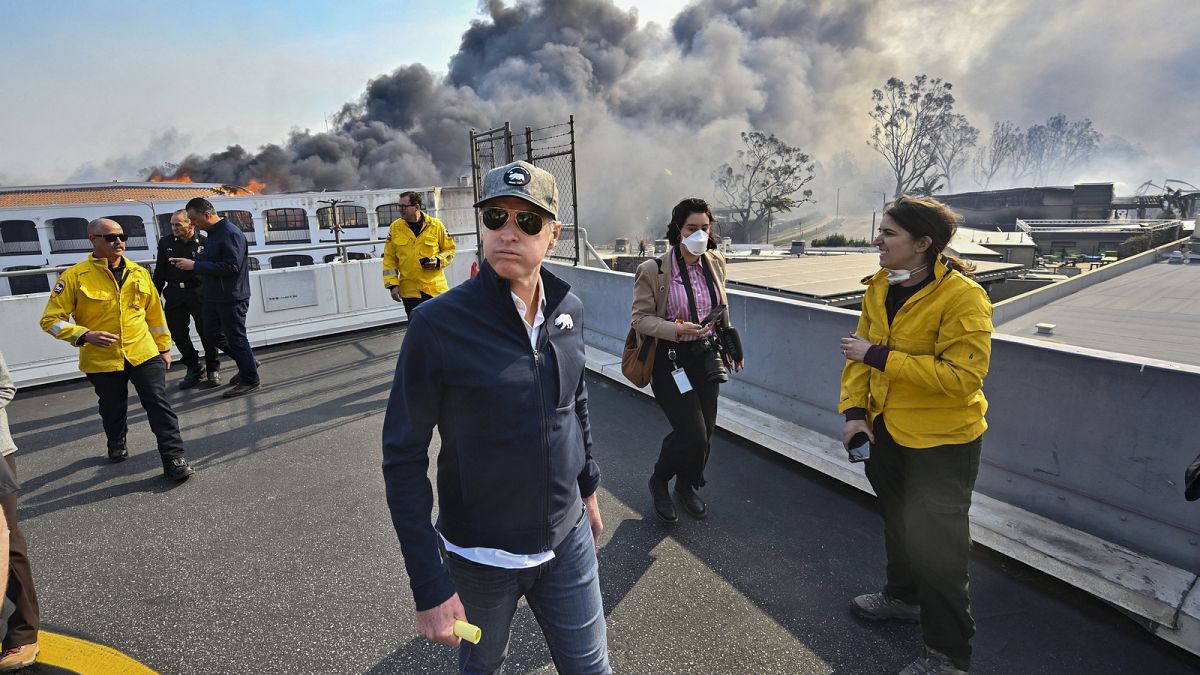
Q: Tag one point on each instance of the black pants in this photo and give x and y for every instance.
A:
(924, 495)
(183, 307)
(23, 623)
(411, 303)
(693, 415)
(150, 381)
(230, 318)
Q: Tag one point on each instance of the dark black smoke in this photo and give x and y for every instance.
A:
(658, 109)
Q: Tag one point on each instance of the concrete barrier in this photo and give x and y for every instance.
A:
(1082, 463)
(1091, 439)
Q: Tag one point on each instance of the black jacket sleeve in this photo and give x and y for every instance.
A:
(589, 477)
(222, 258)
(412, 413)
(160, 266)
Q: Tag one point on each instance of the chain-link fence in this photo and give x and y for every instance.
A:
(551, 148)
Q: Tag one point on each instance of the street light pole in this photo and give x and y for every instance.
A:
(337, 229)
(884, 195)
(837, 208)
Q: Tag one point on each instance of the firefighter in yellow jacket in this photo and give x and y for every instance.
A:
(417, 252)
(122, 335)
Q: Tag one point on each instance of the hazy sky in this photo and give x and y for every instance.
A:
(86, 81)
(97, 90)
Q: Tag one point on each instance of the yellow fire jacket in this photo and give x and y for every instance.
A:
(89, 292)
(931, 390)
(402, 257)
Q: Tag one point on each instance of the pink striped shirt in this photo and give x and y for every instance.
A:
(677, 300)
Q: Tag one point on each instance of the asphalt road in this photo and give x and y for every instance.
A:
(279, 556)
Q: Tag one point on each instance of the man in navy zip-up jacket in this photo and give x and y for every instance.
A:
(497, 365)
(224, 260)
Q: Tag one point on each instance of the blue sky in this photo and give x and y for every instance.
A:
(88, 81)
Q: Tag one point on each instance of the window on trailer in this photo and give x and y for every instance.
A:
(281, 261)
(24, 285)
(18, 236)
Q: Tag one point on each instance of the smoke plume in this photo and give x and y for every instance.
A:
(658, 108)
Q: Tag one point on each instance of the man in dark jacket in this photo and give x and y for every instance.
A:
(183, 301)
(497, 365)
(224, 264)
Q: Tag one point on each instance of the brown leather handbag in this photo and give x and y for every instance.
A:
(637, 361)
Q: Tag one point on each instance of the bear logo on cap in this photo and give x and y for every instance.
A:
(517, 176)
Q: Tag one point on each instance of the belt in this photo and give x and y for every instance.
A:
(183, 284)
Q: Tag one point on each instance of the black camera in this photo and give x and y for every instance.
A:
(714, 361)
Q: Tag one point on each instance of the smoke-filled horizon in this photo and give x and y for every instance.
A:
(658, 108)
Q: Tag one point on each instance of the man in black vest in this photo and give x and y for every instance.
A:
(182, 301)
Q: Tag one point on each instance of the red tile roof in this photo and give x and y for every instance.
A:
(85, 194)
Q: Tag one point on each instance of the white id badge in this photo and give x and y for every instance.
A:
(681, 380)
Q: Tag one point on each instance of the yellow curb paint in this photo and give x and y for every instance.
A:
(86, 658)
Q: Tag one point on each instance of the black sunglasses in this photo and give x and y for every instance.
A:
(494, 218)
(110, 238)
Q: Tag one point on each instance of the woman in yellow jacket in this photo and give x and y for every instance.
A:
(912, 386)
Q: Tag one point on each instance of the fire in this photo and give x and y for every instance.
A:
(179, 177)
(255, 187)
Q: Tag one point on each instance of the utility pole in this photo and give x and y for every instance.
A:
(881, 212)
(335, 225)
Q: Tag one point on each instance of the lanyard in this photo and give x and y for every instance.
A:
(687, 284)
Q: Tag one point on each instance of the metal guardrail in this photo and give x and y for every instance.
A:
(253, 252)
(1094, 226)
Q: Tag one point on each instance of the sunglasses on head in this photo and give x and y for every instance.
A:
(494, 218)
(110, 238)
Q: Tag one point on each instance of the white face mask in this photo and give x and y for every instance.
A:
(900, 276)
(697, 243)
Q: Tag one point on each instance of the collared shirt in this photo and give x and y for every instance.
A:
(677, 299)
(494, 557)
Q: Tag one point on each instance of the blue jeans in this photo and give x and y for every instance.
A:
(230, 318)
(563, 593)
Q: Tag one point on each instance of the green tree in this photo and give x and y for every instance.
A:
(764, 179)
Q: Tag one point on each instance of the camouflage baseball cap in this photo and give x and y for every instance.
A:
(524, 180)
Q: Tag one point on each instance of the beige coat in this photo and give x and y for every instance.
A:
(650, 294)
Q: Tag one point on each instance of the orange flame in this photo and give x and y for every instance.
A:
(179, 177)
(255, 187)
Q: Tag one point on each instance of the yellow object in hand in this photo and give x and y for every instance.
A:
(467, 631)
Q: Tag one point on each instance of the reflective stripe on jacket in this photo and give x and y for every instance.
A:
(931, 389)
(402, 257)
(88, 292)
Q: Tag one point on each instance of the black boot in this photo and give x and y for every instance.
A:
(192, 378)
(117, 451)
(690, 500)
(664, 508)
(214, 378)
(178, 469)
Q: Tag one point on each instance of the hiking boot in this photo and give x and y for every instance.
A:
(118, 452)
(240, 389)
(932, 663)
(881, 606)
(214, 379)
(17, 658)
(178, 469)
(191, 379)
